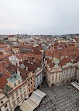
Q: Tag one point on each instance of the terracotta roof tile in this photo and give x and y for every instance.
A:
(3, 80)
(51, 65)
(64, 61)
(76, 60)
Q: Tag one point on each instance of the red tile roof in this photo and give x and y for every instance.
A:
(7, 49)
(51, 65)
(3, 45)
(5, 56)
(3, 80)
(1, 53)
(70, 51)
(76, 60)
(64, 61)
(11, 35)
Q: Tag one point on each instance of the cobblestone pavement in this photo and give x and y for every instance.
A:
(59, 98)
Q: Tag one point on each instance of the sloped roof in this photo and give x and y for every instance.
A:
(13, 78)
(51, 65)
(64, 61)
(76, 60)
(33, 101)
(3, 80)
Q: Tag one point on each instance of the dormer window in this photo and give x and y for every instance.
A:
(12, 96)
(16, 93)
(5, 105)
(14, 84)
(1, 102)
(18, 81)
(24, 87)
(20, 90)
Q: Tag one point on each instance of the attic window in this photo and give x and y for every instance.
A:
(19, 82)
(7, 89)
(10, 77)
(5, 105)
(1, 102)
(14, 84)
(15, 76)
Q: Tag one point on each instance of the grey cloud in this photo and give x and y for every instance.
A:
(39, 16)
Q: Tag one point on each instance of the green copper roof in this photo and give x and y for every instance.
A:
(13, 78)
(57, 61)
(68, 64)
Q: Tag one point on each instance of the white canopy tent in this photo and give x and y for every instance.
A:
(33, 101)
(35, 98)
(75, 84)
(39, 93)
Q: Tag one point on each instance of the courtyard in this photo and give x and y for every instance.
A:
(59, 98)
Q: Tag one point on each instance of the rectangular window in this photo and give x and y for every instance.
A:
(24, 87)
(19, 82)
(29, 89)
(13, 103)
(21, 96)
(16, 93)
(1, 102)
(20, 90)
(14, 84)
(18, 100)
(25, 94)
(29, 84)
(12, 96)
(5, 105)
(56, 78)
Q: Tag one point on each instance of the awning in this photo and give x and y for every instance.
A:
(33, 101)
(35, 98)
(26, 107)
(39, 93)
(75, 84)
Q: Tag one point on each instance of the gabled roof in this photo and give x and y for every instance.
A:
(5, 56)
(76, 60)
(64, 61)
(3, 45)
(51, 65)
(7, 49)
(3, 80)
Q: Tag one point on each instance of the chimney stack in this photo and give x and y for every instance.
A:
(26, 68)
(18, 72)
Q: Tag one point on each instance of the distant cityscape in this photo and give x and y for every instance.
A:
(39, 72)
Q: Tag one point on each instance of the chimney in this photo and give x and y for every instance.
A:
(34, 60)
(53, 47)
(31, 62)
(18, 72)
(26, 68)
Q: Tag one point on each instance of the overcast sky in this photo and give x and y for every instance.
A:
(39, 16)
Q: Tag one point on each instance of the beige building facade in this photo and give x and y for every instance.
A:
(58, 73)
